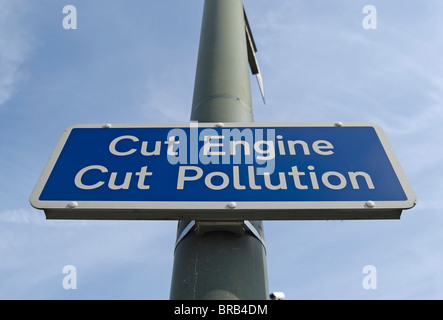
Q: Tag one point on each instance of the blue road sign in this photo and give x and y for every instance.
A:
(224, 172)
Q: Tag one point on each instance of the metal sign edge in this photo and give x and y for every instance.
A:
(243, 205)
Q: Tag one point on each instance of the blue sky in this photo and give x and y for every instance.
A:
(134, 62)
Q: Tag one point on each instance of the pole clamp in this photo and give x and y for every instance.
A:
(236, 227)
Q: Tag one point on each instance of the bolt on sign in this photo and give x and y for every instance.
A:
(230, 171)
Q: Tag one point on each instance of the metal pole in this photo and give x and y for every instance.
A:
(221, 260)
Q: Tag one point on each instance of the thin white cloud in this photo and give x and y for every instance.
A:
(22, 216)
(14, 47)
(165, 97)
(34, 251)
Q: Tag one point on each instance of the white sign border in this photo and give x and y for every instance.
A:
(186, 206)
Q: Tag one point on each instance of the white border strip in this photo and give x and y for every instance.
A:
(241, 205)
